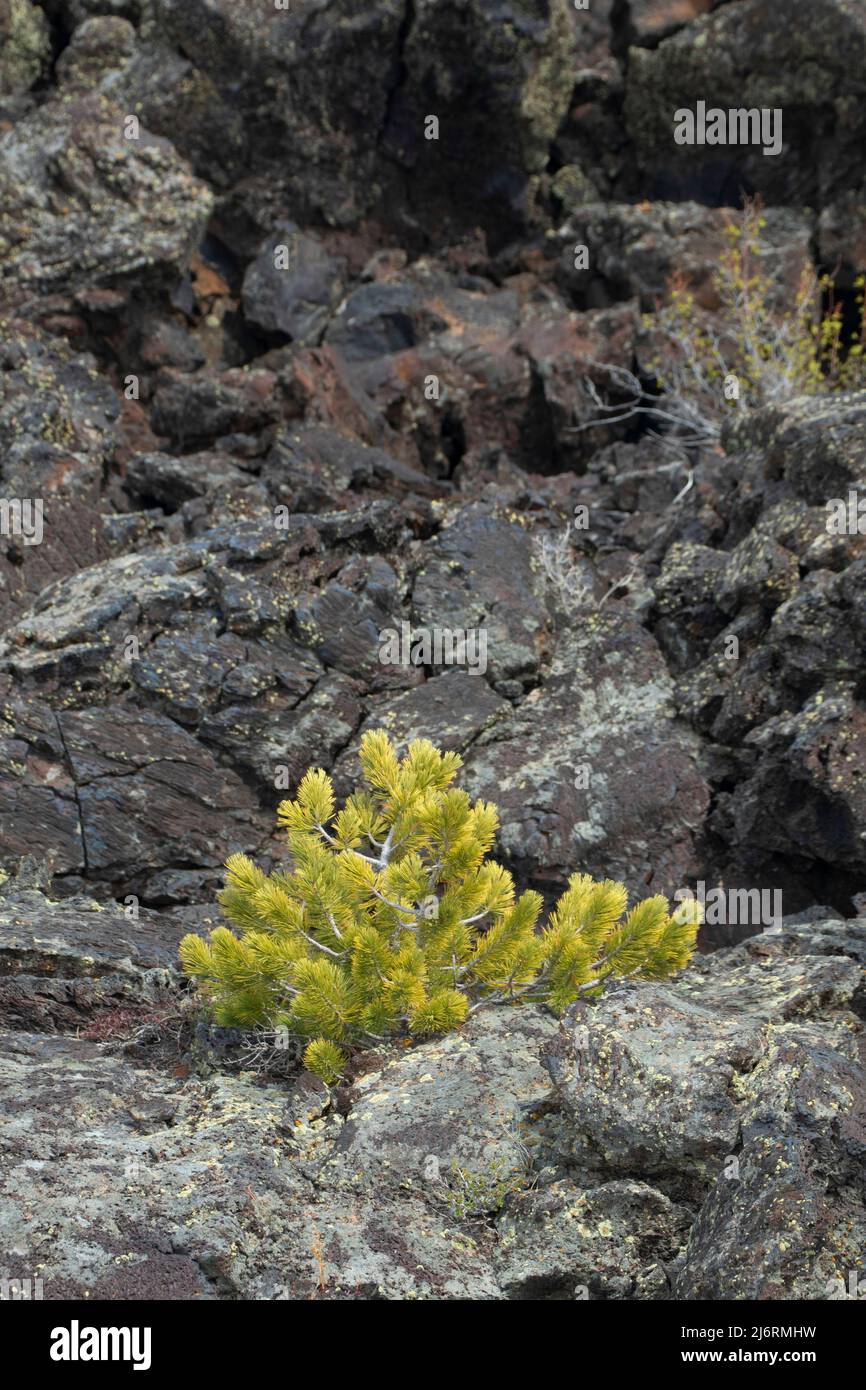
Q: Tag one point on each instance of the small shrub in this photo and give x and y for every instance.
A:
(473, 1194)
(774, 354)
(567, 578)
(391, 920)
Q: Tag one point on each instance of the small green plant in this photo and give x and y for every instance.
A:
(471, 1194)
(749, 352)
(392, 921)
(774, 354)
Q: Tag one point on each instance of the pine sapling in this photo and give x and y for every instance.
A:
(391, 920)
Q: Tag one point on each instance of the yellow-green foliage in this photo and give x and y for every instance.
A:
(479, 1193)
(391, 920)
(776, 351)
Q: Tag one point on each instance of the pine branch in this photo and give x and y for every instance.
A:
(346, 948)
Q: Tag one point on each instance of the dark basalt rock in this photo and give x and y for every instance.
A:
(296, 299)
(740, 1085)
(578, 801)
(250, 476)
(700, 1139)
(84, 206)
(788, 594)
(747, 55)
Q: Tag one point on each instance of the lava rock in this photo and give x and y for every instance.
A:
(296, 299)
(815, 67)
(25, 46)
(587, 800)
(55, 234)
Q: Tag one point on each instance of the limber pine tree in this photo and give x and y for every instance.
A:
(392, 921)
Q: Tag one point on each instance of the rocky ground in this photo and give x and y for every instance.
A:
(700, 1139)
(248, 473)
